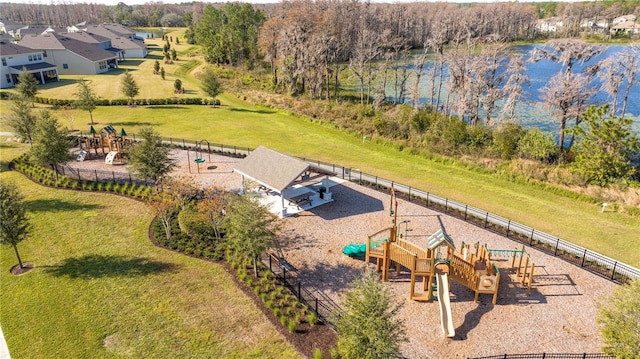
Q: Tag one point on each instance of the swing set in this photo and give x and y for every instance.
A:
(199, 152)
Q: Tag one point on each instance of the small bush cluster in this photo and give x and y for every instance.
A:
(198, 246)
(284, 305)
(48, 177)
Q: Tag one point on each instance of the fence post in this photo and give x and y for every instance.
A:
(555, 253)
(584, 256)
(531, 237)
(183, 144)
(409, 194)
(113, 175)
(446, 205)
(130, 180)
(508, 226)
(613, 271)
(299, 292)
(284, 275)
(427, 199)
(465, 213)
(317, 307)
(270, 263)
(486, 219)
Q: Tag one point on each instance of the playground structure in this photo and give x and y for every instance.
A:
(526, 270)
(198, 151)
(106, 143)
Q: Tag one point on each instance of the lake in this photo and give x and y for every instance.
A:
(531, 111)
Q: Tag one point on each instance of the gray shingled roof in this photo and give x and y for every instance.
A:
(58, 42)
(8, 48)
(271, 168)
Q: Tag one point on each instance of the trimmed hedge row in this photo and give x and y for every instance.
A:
(48, 177)
(137, 102)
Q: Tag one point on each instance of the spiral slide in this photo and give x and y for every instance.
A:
(446, 319)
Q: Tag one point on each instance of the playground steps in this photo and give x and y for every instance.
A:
(81, 156)
(110, 157)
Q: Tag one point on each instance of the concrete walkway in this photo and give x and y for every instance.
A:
(4, 350)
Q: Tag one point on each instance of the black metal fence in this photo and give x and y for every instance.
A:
(597, 263)
(550, 356)
(324, 307)
(594, 262)
(81, 174)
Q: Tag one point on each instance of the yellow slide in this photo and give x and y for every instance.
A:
(446, 319)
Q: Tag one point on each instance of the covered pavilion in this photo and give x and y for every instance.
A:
(287, 183)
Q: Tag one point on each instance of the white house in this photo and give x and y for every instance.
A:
(16, 58)
(552, 24)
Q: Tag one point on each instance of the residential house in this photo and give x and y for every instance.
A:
(122, 38)
(627, 28)
(16, 58)
(71, 56)
(7, 26)
(594, 25)
(552, 24)
(97, 40)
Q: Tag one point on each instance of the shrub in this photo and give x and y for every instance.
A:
(292, 325)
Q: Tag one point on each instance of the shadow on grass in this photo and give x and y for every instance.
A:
(100, 266)
(56, 205)
(131, 62)
(133, 123)
(59, 83)
(166, 107)
(252, 111)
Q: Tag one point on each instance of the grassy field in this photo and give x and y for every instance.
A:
(238, 123)
(100, 289)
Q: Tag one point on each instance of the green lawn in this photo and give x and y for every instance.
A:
(101, 289)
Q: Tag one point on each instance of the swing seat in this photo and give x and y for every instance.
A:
(199, 160)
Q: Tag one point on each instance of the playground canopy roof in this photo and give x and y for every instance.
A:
(436, 239)
(272, 169)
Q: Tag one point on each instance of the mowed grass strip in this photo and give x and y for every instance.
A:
(101, 289)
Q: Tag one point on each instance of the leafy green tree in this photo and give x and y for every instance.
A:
(506, 138)
(27, 86)
(190, 35)
(605, 148)
(177, 86)
(14, 223)
(129, 87)
(156, 67)
(87, 99)
(174, 55)
(149, 158)
(229, 35)
(537, 145)
(21, 119)
(620, 319)
(51, 142)
(368, 326)
(210, 84)
(250, 229)
(162, 73)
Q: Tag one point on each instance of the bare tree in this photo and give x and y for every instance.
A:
(514, 86)
(568, 95)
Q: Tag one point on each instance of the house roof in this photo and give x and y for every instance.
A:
(87, 37)
(125, 43)
(271, 168)
(33, 67)
(109, 30)
(8, 48)
(60, 42)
